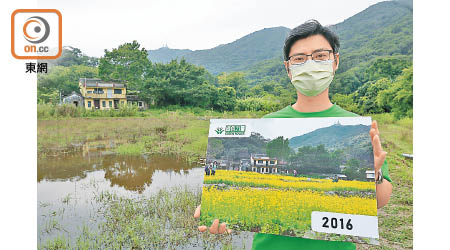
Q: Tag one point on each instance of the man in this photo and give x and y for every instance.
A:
(207, 169)
(311, 60)
(214, 167)
(335, 178)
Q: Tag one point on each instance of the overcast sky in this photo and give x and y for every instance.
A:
(287, 128)
(95, 25)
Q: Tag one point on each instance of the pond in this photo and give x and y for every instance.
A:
(70, 186)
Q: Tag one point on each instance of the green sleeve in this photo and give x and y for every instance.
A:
(276, 242)
(385, 170)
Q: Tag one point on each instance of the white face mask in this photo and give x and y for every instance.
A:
(312, 78)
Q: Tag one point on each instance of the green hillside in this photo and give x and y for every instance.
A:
(165, 54)
(235, 56)
(352, 140)
(383, 29)
(333, 137)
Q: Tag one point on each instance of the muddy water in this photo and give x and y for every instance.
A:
(69, 185)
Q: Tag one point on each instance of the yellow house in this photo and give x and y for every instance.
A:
(98, 94)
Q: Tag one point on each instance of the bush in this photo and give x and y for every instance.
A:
(266, 103)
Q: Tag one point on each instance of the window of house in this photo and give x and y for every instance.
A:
(89, 104)
(260, 161)
(98, 91)
(140, 104)
(110, 104)
(118, 91)
(89, 92)
(104, 103)
(122, 103)
(272, 162)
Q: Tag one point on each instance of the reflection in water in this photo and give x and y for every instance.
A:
(133, 173)
(69, 185)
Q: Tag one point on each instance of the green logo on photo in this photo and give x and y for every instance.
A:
(234, 129)
(219, 130)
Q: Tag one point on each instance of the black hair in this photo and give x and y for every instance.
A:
(309, 28)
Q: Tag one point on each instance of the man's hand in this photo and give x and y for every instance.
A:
(379, 155)
(215, 228)
(384, 190)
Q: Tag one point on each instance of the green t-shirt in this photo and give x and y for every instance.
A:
(274, 242)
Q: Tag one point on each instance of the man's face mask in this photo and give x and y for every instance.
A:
(312, 78)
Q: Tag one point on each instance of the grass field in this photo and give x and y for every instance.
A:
(181, 132)
(396, 218)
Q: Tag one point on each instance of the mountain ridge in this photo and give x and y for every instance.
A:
(270, 42)
(360, 35)
(332, 137)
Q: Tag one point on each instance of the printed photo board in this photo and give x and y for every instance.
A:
(300, 177)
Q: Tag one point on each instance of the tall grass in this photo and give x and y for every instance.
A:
(182, 134)
(183, 131)
(163, 220)
(49, 111)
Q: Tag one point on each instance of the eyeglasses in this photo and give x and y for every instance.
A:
(321, 55)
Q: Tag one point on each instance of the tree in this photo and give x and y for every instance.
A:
(318, 159)
(48, 96)
(353, 171)
(236, 80)
(62, 79)
(346, 102)
(203, 96)
(366, 96)
(279, 148)
(72, 56)
(266, 103)
(215, 147)
(179, 83)
(369, 71)
(127, 63)
(399, 96)
(226, 99)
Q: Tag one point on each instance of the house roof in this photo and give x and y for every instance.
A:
(262, 157)
(94, 82)
(73, 97)
(132, 98)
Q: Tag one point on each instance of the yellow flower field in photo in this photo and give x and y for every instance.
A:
(278, 204)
